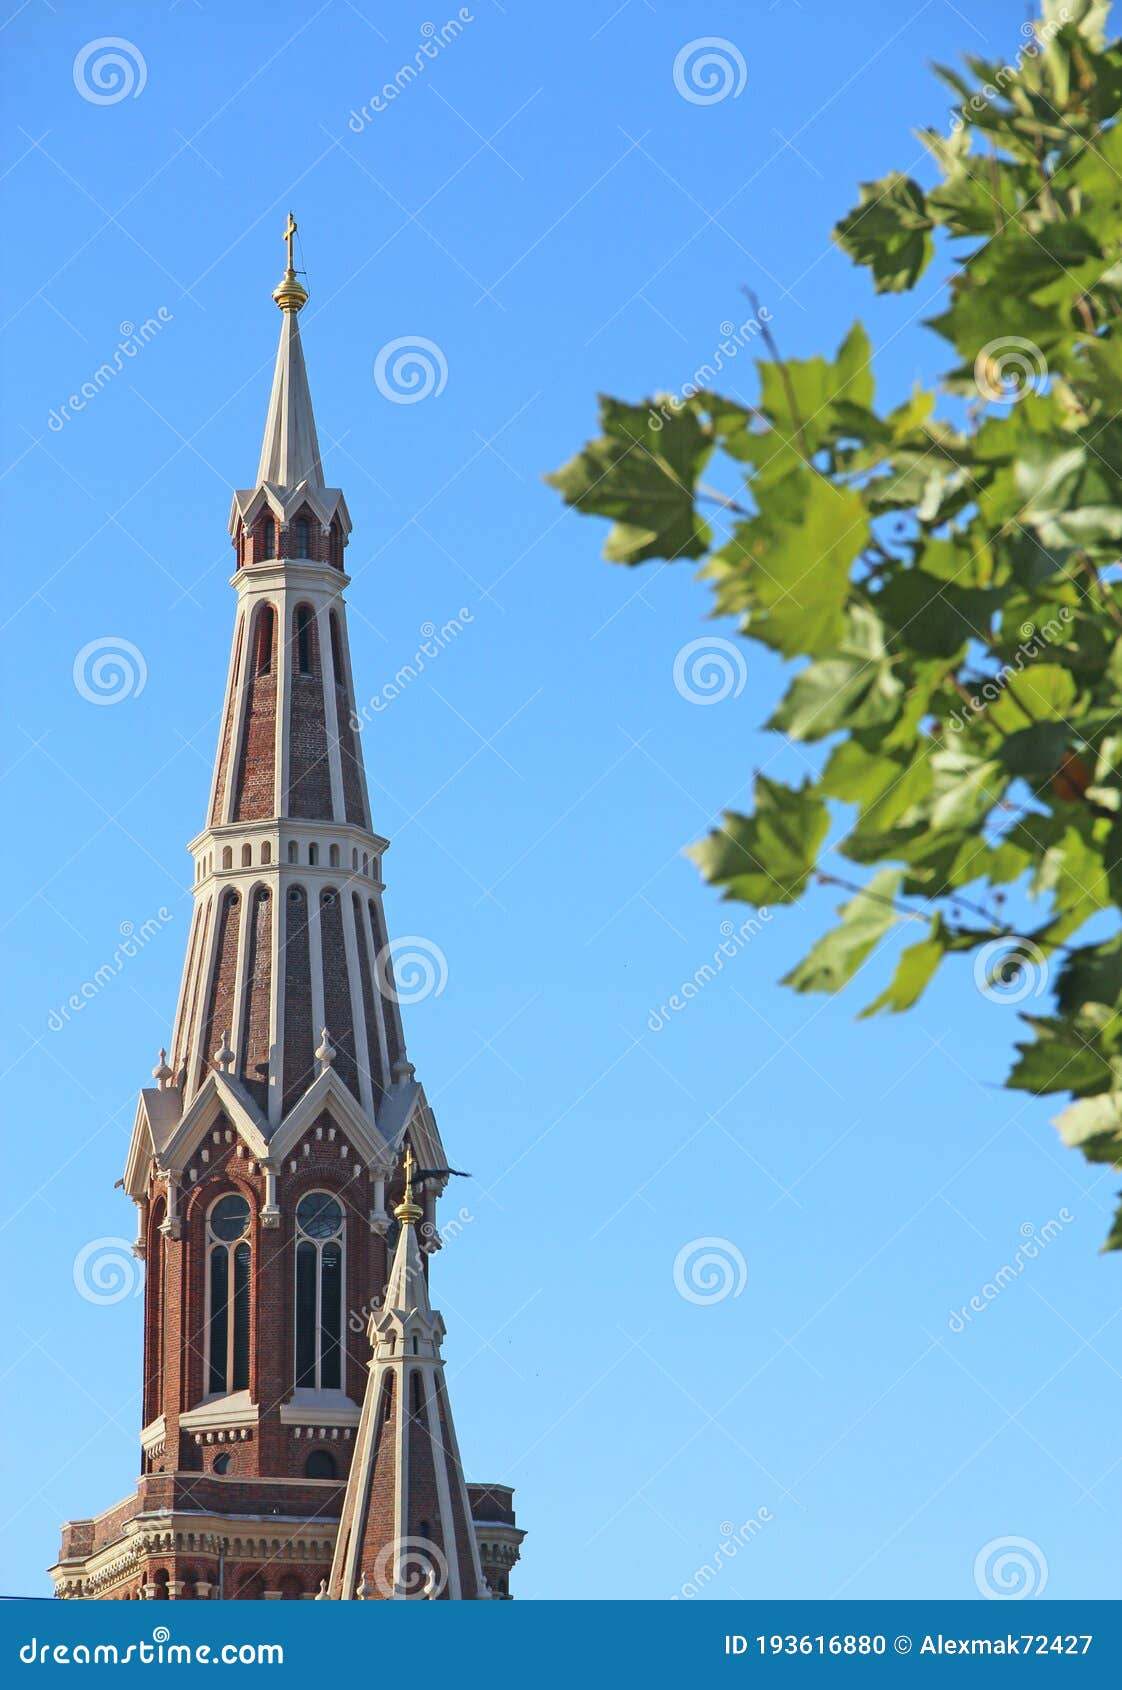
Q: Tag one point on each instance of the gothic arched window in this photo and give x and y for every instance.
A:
(302, 619)
(264, 661)
(268, 538)
(302, 537)
(227, 1320)
(319, 1291)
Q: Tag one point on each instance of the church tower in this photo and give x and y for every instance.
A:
(267, 1156)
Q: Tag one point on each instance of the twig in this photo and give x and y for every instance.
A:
(784, 373)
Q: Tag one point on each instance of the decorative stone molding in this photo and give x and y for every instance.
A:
(153, 1437)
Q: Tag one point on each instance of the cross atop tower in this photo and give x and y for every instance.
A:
(290, 294)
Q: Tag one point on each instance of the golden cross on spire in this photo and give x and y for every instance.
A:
(290, 294)
(408, 1210)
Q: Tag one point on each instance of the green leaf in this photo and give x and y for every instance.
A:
(1094, 1125)
(642, 472)
(889, 231)
(795, 559)
(768, 857)
(914, 971)
(810, 400)
(1043, 693)
(1061, 1058)
(835, 958)
(966, 787)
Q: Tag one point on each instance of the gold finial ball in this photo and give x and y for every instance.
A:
(289, 293)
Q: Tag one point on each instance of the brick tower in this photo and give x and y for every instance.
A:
(266, 1157)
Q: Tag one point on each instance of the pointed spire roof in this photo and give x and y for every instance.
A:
(290, 450)
(406, 1529)
(407, 1290)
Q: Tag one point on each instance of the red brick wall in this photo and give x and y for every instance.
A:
(369, 1004)
(220, 1017)
(299, 1034)
(309, 773)
(337, 1008)
(253, 1045)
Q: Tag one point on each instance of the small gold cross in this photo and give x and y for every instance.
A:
(288, 236)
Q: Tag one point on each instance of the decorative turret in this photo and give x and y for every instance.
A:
(406, 1529)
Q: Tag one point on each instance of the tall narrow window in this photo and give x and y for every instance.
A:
(227, 1296)
(303, 639)
(337, 652)
(268, 538)
(302, 537)
(319, 1291)
(264, 655)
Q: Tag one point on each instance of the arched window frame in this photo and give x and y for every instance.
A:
(302, 537)
(303, 625)
(317, 1360)
(263, 640)
(229, 1371)
(321, 1458)
(268, 538)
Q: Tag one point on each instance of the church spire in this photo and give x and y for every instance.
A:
(406, 1529)
(290, 450)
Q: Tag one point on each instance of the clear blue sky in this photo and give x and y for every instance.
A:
(544, 206)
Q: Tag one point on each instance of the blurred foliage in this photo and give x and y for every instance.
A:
(949, 589)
